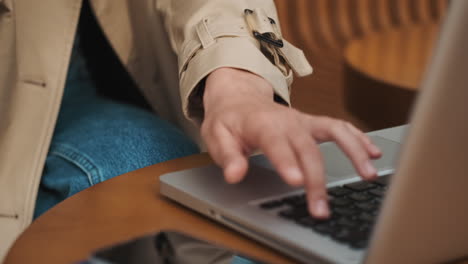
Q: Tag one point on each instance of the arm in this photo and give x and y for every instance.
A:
(208, 35)
(238, 111)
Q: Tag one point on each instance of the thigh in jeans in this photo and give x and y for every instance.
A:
(101, 140)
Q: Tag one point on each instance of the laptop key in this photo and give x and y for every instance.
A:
(344, 211)
(366, 227)
(367, 206)
(343, 235)
(350, 235)
(338, 191)
(360, 186)
(359, 197)
(354, 208)
(379, 192)
(340, 201)
(383, 180)
(325, 229)
(288, 214)
(294, 213)
(367, 217)
(374, 213)
(360, 244)
(311, 222)
(376, 200)
(294, 200)
(347, 222)
(271, 204)
(307, 221)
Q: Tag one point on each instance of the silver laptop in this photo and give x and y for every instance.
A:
(424, 216)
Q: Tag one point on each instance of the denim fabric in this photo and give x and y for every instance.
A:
(242, 260)
(96, 139)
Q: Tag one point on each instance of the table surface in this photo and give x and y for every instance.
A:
(397, 57)
(119, 209)
(126, 207)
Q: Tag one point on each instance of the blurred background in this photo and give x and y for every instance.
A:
(368, 55)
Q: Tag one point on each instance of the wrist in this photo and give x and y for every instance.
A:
(226, 85)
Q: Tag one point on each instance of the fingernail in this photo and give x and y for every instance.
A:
(230, 172)
(294, 174)
(370, 169)
(320, 208)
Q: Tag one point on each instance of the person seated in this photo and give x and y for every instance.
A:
(227, 90)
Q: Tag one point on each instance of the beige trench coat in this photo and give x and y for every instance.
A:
(36, 39)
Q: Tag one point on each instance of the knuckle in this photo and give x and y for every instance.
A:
(306, 147)
(271, 138)
(326, 120)
(303, 143)
(256, 120)
(321, 125)
(265, 120)
(349, 125)
(315, 182)
(338, 127)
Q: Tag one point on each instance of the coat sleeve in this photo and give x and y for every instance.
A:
(210, 34)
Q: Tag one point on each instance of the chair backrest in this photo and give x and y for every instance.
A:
(327, 25)
(323, 28)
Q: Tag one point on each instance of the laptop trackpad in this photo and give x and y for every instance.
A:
(338, 166)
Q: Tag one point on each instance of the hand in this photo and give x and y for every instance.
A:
(241, 116)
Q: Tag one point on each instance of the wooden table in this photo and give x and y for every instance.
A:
(383, 72)
(397, 57)
(121, 208)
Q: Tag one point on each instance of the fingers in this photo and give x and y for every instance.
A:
(311, 163)
(357, 147)
(297, 159)
(279, 152)
(227, 153)
(290, 143)
(372, 149)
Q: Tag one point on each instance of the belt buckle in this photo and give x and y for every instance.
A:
(271, 37)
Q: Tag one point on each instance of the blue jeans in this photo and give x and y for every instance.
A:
(96, 138)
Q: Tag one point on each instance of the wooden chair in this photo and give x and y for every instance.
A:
(322, 28)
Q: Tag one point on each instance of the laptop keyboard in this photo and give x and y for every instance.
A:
(354, 208)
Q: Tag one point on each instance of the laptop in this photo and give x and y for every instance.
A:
(415, 212)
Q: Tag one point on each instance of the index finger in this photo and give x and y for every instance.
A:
(311, 162)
